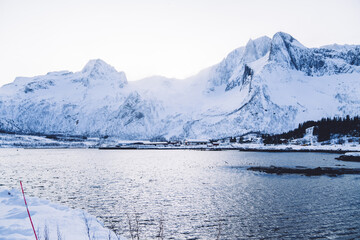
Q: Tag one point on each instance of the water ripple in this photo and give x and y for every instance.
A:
(196, 194)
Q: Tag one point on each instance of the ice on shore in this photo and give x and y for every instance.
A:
(68, 223)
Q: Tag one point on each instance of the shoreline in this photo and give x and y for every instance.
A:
(274, 148)
(230, 149)
(41, 142)
(339, 149)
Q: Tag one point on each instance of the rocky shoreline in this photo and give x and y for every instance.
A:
(350, 157)
(319, 171)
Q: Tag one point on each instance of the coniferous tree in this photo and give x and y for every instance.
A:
(324, 129)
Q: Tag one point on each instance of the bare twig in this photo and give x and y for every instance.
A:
(46, 232)
(134, 226)
(219, 231)
(87, 226)
(137, 229)
(59, 235)
(161, 227)
(38, 233)
(109, 234)
(130, 227)
(117, 236)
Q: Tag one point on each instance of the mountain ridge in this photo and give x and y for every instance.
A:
(269, 86)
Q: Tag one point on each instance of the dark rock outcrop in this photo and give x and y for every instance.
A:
(319, 171)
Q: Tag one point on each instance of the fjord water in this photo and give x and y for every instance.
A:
(197, 194)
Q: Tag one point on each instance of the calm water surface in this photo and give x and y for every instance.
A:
(197, 194)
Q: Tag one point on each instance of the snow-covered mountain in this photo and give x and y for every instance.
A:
(270, 85)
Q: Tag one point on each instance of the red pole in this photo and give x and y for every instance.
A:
(28, 210)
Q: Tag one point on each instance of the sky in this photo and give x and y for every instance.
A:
(173, 38)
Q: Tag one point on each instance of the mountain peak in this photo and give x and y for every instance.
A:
(97, 69)
(285, 50)
(287, 39)
(261, 39)
(256, 49)
(98, 66)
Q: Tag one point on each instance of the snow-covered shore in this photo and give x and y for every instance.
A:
(30, 141)
(336, 148)
(290, 147)
(58, 221)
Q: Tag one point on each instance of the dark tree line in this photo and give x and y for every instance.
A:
(323, 129)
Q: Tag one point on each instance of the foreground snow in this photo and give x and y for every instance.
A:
(62, 222)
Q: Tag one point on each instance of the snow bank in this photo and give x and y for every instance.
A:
(69, 223)
(289, 147)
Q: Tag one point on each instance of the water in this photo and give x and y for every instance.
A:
(197, 194)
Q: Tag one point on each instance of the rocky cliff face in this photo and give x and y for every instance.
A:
(270, 85)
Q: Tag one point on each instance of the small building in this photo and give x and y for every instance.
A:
(157, 143)
(196, 142)
(131, 143)
(251, 137)
(175, 143)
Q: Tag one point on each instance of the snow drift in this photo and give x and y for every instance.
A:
(51, 220)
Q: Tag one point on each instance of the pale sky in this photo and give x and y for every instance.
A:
(173, 38)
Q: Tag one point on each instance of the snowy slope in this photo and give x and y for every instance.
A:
(269, 85)
(53, 220)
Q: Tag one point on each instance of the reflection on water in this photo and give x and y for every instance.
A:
(197, 194)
